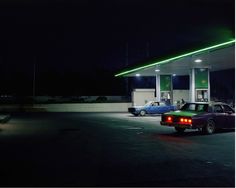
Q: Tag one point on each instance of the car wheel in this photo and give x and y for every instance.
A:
(210, 127)
(179, 129)
(142, 113)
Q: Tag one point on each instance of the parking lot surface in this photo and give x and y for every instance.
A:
(111, 149)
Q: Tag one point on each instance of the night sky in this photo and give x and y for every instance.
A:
(78, 46)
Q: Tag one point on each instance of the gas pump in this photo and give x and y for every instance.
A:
(202, 85)
(202, 95)
(166, 97)
(166, 89)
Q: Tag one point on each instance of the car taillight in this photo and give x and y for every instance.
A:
(169, 119)
(186, 120)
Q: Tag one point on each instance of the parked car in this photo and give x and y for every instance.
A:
(203, 116)
(151, 107)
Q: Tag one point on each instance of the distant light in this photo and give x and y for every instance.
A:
(174, 74)
(137, 75)
(198, 61)
(157, 70)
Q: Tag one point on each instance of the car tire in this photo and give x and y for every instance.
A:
(179, 129)
(142, 113)
(210, 127)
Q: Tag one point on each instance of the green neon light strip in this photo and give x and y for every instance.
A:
(174, 58)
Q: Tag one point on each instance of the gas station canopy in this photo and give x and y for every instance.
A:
(215, 58)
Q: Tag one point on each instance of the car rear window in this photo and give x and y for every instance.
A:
(195, 107)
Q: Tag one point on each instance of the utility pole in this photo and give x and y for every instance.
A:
(126, 64)
(147, 50)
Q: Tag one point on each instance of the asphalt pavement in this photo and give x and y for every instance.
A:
(111, 149)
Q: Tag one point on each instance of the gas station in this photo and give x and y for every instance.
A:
(197, 64)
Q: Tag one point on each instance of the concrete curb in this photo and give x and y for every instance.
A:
(67, 107)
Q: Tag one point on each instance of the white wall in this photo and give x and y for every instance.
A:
(142, 96)
(89, 107)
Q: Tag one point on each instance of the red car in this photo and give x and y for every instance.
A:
(203, 116)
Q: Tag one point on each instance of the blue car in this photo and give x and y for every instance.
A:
(151, 108)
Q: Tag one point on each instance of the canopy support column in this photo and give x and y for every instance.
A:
(158, 88)
(209, 88)
(192, 86)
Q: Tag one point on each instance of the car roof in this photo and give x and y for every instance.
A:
(209, 103)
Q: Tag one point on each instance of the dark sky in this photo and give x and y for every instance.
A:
(85, 41)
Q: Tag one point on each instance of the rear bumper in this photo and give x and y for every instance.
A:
(186, 126)
(133, 111)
